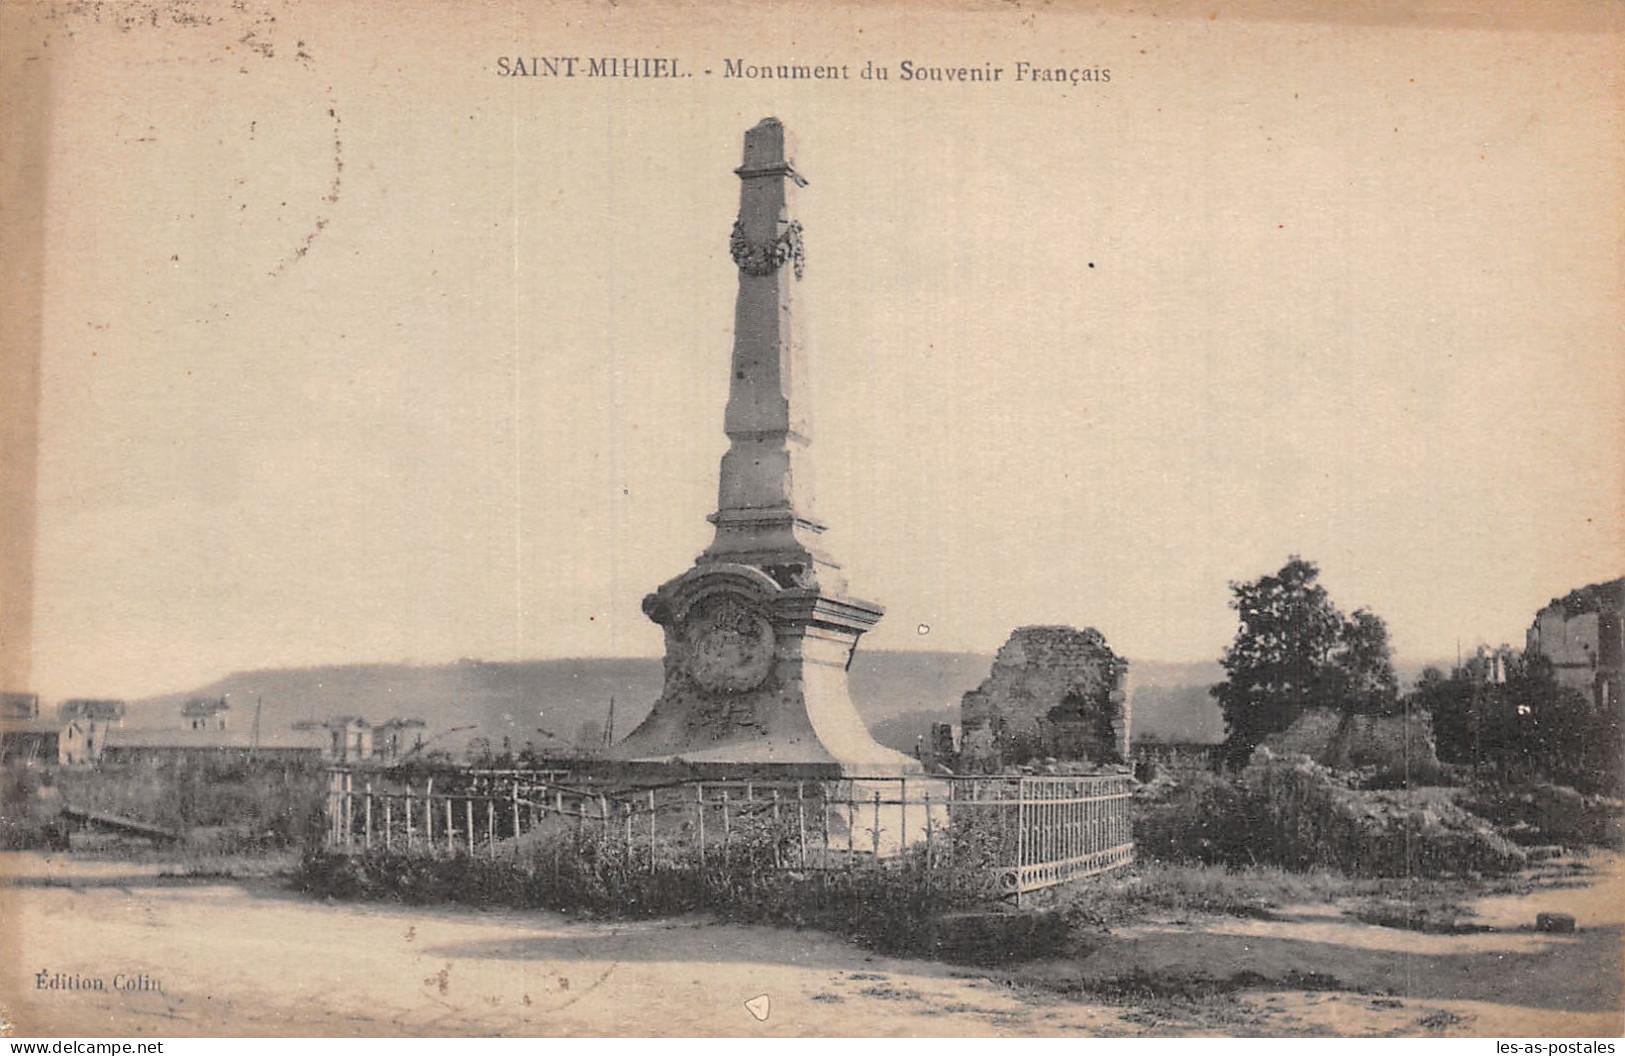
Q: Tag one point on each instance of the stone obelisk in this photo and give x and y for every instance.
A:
(760, 632)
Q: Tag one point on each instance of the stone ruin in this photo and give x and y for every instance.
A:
(1055, 693)
(1390, 745)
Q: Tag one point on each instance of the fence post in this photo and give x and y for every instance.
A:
(516, 817)
(902, 816)
(1021, 833)
(651, 830)
(428, 815)
(349, 805)
(626, 812)
(389, 826)
(699, 802)
(875, 834)
(366, 824)
(928, 837)
(603, 815)
(332, 810)
(451, 829)
(409, 817)
(727, 831)
(491, 820)
(823, 817)
(801, 821)
(851, 822)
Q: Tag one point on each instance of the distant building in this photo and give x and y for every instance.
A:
(204, 735)
(19, 707)
(84, 728)
(25, 738)
(160, 747)
(395, 739)
(1583, 635)
(349, 737)
(203, 714)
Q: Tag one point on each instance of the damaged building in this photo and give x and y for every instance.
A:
(1053, 693)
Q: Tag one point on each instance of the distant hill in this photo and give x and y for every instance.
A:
(547, 702)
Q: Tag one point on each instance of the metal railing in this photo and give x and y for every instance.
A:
(1031, 831)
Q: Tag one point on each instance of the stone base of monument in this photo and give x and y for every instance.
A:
(998, 937)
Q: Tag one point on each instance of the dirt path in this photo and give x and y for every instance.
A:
(251, 960)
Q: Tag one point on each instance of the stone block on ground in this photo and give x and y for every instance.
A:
(1558, 923)
(998, 936)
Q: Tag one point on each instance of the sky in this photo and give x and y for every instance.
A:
(355, 350)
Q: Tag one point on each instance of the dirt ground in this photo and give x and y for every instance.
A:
(252, 959)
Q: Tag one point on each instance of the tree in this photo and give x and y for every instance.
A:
(1364, 664)
(1295, 650)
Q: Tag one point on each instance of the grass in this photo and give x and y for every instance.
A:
(1161, 889)
(890, 905)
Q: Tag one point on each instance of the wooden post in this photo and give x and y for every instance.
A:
(491, 822)
(451, 835)
(902, 819)
(389, 826)
(801, 821)
(875, 835)
(1021, 833)
(428, 814)
(651, 830)
(851, 822)
(626, 812)
(409, 819)
(349, 805)
(603, 814)
(366, 824)
(332, 810)
(823, 819)
(516, 816)
(468, 816)
(928, 826)
(699, 800)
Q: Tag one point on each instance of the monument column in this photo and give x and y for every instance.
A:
(760, 632)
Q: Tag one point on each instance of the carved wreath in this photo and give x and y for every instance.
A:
(768, 256)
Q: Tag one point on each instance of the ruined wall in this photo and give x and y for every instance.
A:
(1392, 744)
(1583, 635)
(1053, 691)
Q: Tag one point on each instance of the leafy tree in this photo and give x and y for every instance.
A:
(1296, 650)
(1364, 665)
(1527, 726)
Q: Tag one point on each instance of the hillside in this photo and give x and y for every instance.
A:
(548, 702)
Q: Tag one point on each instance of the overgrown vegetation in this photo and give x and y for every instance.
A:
(890, 904)
(1297, 815)
(1295, 650)
(236, 805)
(1521, 726)
(1163, 889)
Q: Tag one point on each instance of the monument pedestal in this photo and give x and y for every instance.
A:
(756, 676)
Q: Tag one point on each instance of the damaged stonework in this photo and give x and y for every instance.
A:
(1391, 745)
(1054, 692)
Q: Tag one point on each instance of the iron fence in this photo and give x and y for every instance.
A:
(1032, 832)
